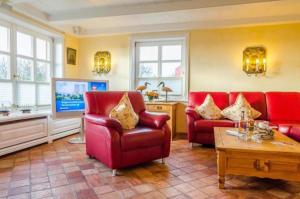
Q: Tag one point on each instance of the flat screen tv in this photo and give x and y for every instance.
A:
(68, 95)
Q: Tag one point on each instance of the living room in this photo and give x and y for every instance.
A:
(211, 89)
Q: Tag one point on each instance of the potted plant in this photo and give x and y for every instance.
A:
(151, 95)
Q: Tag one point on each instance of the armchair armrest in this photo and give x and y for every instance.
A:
(190, 111)
(104, 121)
(156, 120)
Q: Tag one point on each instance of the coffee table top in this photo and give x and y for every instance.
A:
(280, 144)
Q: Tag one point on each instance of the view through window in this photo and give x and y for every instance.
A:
(161, 61)
(26, 67)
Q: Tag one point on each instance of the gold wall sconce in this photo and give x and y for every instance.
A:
(102, 62)
(254, 61)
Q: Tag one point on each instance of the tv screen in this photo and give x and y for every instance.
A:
(68, 95)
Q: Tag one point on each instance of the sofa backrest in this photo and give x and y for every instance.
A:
(220, 98)
(256, 99)
(283, 106)
(102, 103)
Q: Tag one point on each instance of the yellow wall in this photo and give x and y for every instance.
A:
(71, 71)
(118, 46)
(216, 58)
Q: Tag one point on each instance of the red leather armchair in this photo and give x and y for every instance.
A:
(117, 148)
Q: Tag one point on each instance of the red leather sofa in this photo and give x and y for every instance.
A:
(280, 108)
(117, 148)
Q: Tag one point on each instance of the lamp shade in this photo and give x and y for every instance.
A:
(102, 62)
(254, 60)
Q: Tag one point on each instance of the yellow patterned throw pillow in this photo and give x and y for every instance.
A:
(124, 113)
(208, 109)
(234, 111)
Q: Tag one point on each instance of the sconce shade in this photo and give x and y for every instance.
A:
(102, 62)
(254, 60)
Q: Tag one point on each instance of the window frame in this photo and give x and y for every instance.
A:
(164, 40)
(13, 29)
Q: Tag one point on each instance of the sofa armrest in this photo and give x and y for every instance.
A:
(104, 121)
(155, 120)
(190, 111)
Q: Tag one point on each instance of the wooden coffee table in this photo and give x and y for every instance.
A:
(278, 158)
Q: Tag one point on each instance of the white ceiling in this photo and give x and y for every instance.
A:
(101, 17)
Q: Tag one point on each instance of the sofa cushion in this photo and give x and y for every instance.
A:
(207, 126)
(208, 109)
(234, 111)
(284, 106)
(197, 98)
(124, 113)
(141, 137)
(257, 100)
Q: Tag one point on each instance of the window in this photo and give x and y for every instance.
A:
(6, 91)
(162, 60)
(25, 67)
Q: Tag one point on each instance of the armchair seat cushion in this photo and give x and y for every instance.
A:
(285, 126)
(141, 137)
(201, 125)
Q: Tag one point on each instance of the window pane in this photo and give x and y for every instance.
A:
(44, 94)
(24, 44)
(42, 49)
(42, 72)
(6, 94)
(26, 94)
(25, 69)
(4, 39)
(4, 66)
(148, 70)
(171, 52)
(58, 65)
(175, 85)
(151, 87)
(148, 53)
(171, 69)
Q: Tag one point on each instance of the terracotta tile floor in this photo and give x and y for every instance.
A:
(62, 170)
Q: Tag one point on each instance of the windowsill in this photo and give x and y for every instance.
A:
(15, 116)
(163, 101)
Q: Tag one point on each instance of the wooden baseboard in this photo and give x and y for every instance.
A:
(64, 134)
(22, 146)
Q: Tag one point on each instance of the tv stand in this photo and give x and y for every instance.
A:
(81, 138)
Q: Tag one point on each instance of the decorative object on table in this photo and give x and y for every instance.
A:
(242, 124)
(71, 56)
(102, 62)
(25, 109)
(4, 111)
(165, 89)
(263, 132)
(141, 88)
(152, 95)
(254, 60)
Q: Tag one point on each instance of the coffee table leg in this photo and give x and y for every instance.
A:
(221, 168)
